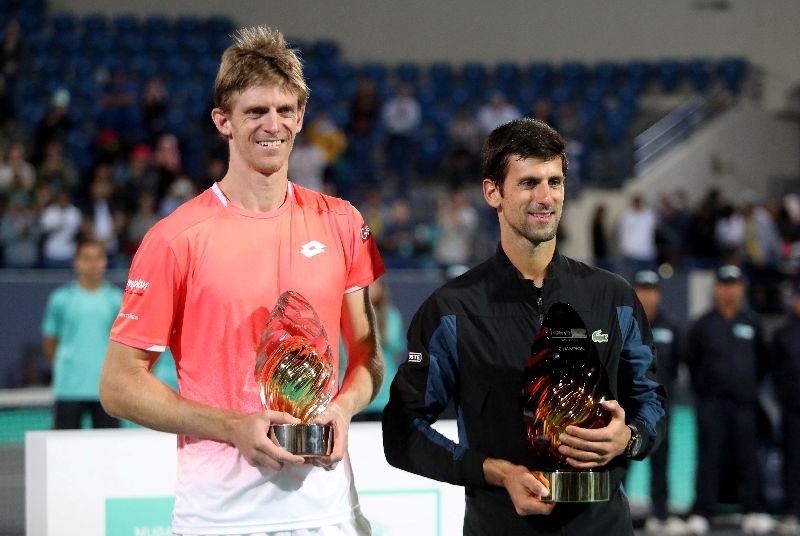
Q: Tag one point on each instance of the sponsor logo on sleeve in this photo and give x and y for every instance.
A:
(365, 232)
(414, 357)
(136, 286)
(129, 316)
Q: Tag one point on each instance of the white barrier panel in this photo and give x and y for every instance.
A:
(121, 483)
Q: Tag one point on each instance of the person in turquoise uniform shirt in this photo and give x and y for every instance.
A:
(77, 321)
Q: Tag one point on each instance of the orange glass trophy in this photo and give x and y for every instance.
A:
(295, 374)
(564, 384)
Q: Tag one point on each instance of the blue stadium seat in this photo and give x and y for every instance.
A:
(540, 74)
(326, 50)
(426, 97)
(440, 74)
(125, 24)
(699, 71)
(219, 27)
(96, 43)
(188, 25)
(507, 77)
(732, 71)
(617, 122)
(473, 73)
(94, 23)
(572, 75)
(164, 45)
(605, 73)
(669, 74)
(408, 73)
(62, 23)
(638, 74)
(156, 25)
(377, 72)
(130, 43)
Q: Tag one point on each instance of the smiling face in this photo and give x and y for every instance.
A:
(530, 202)
(260, 127)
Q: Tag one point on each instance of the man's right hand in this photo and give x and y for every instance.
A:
(251, 435)
(525, 487)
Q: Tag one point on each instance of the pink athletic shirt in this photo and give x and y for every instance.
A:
(203, 282)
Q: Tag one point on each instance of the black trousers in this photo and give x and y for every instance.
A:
(726, 427)
(68, 415)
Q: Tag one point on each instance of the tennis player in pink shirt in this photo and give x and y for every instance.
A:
(203, 283)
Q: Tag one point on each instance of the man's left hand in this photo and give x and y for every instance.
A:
(587, 448)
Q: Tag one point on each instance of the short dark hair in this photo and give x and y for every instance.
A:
(524, 138)
(86, 242)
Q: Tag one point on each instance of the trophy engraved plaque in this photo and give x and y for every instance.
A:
(295, 374)
(564, 384)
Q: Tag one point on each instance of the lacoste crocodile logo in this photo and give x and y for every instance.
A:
(599, 336)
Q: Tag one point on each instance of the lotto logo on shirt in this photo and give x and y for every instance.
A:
(136, 286)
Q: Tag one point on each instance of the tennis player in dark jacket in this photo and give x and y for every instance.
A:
(470, 341)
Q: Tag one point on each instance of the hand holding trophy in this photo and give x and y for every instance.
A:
(565, 384)
(295, 374)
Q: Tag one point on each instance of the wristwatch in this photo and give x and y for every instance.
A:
(634, 443)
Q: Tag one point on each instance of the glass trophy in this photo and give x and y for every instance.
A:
(295, 374)
(564, 384)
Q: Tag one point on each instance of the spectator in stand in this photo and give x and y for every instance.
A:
(364, 111)
(600, 250)
(785, 372)
(761, 253)
(136, 175)
(406, 242)
(7, 111)
(12, 53)
(104, 217)
(729, 234)
(457, 222)
(168, 163)
(542, 110)
(669, 345)
(56, 169)
(727, 357)
(327, 135)
(77, 322)
(118, 103)
(55, 125)
(154, 105)
(19, 233)
(636, 234)
(495, 112)
(464, 134)
(374, 211)
(139, 223)
(402, 118)
(307, 164)
(702, 244)
(60, 222)
(180, 191)
(16, 164)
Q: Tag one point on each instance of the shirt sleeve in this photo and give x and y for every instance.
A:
(419, 393)
(53, 314)
(151, 296)
(366, 264)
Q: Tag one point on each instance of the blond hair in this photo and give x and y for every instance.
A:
(259, 56)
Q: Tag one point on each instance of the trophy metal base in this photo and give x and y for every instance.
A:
(305, 439)
(577, 486)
